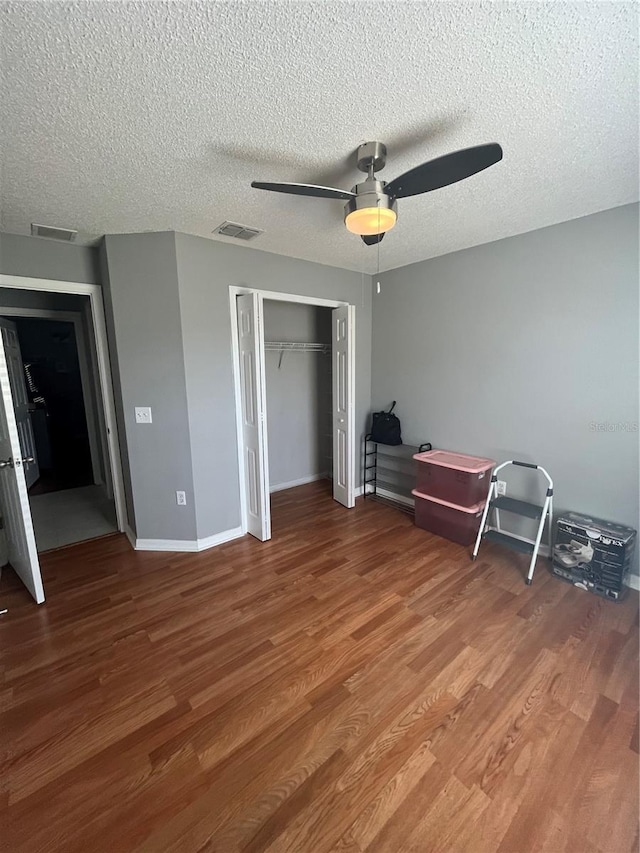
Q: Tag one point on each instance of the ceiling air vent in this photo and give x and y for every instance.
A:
(66, 234)
(239, 232)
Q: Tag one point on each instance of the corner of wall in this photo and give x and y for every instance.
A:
(142, 302)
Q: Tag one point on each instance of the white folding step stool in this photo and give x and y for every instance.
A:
(496, 503)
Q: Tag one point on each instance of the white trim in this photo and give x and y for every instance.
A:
(74, 317)
(311, 478)
(632, 581)
(294, 297)
(94, 292)
(101, 424)
(235, 291)
(185, 545)
(392, 496)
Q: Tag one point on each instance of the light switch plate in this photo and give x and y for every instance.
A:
(143, 415)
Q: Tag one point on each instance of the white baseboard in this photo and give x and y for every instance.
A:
(311, 478)
(185, 545)
(220, 538)
(392, 496)
(633, 581)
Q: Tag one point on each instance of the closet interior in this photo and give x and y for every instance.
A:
(298, 393)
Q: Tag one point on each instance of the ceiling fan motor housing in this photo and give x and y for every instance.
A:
(370, 195)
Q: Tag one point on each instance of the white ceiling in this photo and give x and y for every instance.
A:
(157, 116)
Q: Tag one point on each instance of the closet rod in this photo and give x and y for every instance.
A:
(295, 346)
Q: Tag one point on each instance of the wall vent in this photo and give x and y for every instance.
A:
(66, 234)
(238, 232)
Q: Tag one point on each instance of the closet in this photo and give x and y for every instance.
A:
(297, 343)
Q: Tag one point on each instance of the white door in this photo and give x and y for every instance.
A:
(343, 346)
(253, 407)
(14, 502)
(15, 367)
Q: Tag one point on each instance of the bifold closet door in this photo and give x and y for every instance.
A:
(254, 422)
(343, 375)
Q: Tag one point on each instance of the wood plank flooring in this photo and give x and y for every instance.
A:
(353, 685)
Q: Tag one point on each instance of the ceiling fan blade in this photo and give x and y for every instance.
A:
(445, 170)
(304, 189)
(372, 239)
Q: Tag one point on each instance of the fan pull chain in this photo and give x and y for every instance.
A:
(378, 274)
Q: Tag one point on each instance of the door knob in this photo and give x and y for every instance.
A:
(6, 463)
(28, 460)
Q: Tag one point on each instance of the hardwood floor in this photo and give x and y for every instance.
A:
(353, 685)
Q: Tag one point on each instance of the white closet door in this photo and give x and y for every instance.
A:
(16, 512)
(254, 424)
(343, 405)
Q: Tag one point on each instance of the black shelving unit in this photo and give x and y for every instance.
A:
(389, 472)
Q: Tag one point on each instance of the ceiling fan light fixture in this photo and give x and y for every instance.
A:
(370, 212)
(367, 221)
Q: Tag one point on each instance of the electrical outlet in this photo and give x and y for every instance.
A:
(181, 498)
(502, 487)
(143, 415)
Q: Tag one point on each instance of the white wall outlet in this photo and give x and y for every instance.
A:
(143, 415)
(181, 498)
(501, 487)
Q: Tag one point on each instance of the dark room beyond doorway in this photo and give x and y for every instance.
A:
(50, 354)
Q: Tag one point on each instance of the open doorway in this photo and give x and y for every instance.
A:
(298, 393)
(249, 363)
(19, 464)
(57, 406)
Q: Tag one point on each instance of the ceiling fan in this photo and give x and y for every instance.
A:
(371, 208)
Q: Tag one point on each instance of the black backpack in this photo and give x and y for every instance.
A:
(385, 427)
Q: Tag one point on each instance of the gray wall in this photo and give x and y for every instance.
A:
(516, 349)
(37, 257)
(142, 301)
(299, 404)
(206, 269)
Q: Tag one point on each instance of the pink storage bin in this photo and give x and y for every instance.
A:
(457, 523)
(453, 477)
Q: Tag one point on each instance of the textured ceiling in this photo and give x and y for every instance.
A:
(156, 116)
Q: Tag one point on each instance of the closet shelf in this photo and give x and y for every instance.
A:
(297, 346)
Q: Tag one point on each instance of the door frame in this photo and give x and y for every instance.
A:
(74, 317)
(276, 296)
(96, 309)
